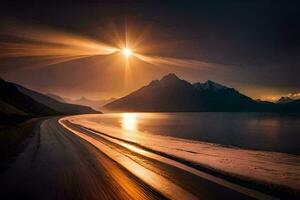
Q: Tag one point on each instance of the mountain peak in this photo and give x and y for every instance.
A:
(210, 85)
(170, 77)
(172, 94)
(284, 100)
(83, 98)
(210, 82)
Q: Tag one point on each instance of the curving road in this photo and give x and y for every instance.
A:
(64, 161)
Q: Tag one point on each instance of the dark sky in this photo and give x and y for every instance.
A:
(257, 41)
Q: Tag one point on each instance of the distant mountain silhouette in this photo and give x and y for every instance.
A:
(168, 94)
(221, 98)
(58, 106)
(210, 85)
(96, 104)
(171, 94)
(18, 103)
(12, 100)
(285, 100)
(56, 97)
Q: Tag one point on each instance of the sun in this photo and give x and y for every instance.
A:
(127, 52)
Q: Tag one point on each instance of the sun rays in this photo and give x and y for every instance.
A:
(127, 52)
(37, 41)
(47, 46)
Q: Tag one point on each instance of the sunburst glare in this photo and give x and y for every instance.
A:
(127, 52)
(43, 42)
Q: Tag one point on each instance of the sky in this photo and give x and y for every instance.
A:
(72, 48)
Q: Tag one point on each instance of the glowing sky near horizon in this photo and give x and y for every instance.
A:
(43, 47)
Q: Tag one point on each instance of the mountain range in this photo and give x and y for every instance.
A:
(17, 102)
(171, 94)
(58, 106)
(285, 100)
(95, 104)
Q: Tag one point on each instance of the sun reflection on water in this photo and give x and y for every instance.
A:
(129, 121)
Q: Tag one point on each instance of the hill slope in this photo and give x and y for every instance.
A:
(56, 97)
(64, 108)
(7, 109)
(11, 95)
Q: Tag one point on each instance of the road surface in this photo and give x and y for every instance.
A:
(65, 161)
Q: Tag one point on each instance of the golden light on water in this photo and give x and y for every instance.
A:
(129, 121)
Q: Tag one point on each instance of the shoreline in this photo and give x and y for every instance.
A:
(262, 132)
(271, 184)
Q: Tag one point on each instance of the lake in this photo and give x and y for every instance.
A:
(260, 131)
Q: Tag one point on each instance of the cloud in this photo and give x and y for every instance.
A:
(295, 95)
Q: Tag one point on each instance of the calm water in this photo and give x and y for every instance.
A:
(263, 131)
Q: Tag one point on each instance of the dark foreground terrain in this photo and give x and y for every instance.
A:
(15, 133)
